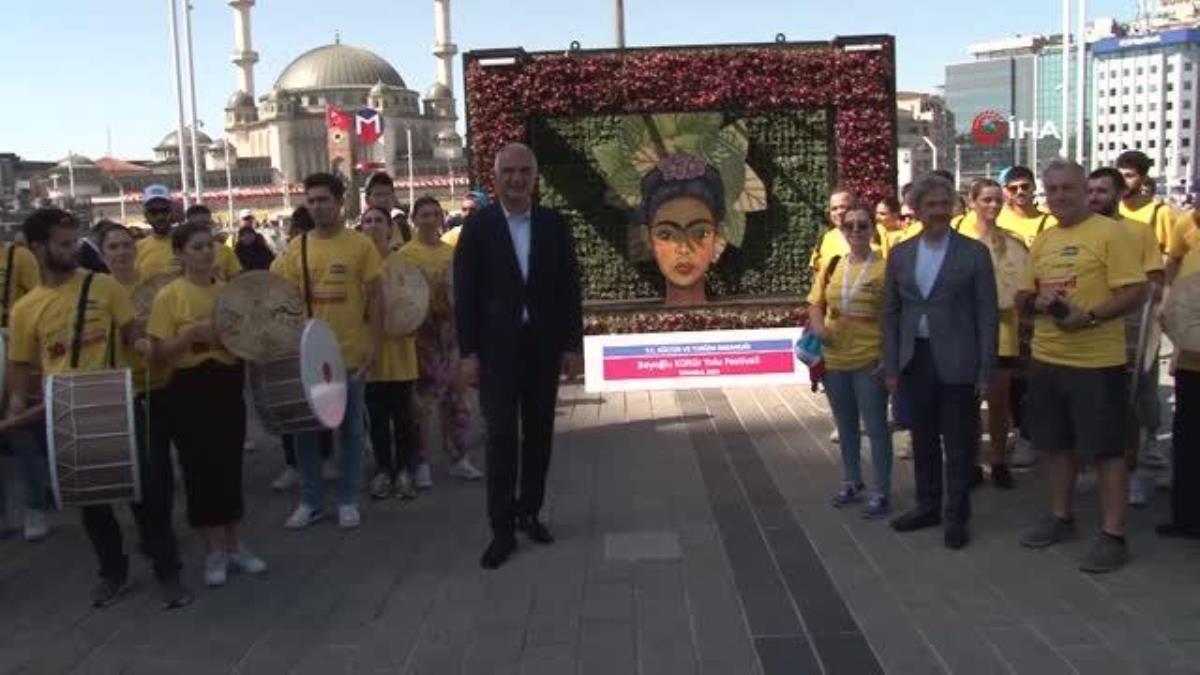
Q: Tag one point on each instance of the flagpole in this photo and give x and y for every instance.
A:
(183, 177)
(197, 174)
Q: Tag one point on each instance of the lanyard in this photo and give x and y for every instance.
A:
(850, 290)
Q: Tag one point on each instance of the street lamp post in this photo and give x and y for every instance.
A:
(172, 8)
(933, 149)
(228, 181)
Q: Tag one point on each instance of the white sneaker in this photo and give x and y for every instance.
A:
(246, 561)
(1137, 492)
(287, 480)
(424, 477)
(35, 525)
(329, 472)
(1023, 453)
(302, 517)
(348, 517)
(216, 568)
(465, 470)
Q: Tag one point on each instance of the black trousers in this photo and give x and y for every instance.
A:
(390, 409)
(153, 514)
(1185, 451)
(945, 419)
(518, 400)
(208, 423)
(325, 438)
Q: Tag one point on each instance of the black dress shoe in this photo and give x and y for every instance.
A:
(534, 529)
(498, 551)
(916, 520)
(956, 536)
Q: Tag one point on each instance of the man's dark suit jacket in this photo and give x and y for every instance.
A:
(491, 298)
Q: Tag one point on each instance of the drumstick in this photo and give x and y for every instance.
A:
(26, 417)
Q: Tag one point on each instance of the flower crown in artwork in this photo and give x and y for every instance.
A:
(682, 166)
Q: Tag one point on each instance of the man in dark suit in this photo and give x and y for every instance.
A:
(518, 308)
(939, 346)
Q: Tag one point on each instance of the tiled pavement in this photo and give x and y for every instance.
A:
(694, 536)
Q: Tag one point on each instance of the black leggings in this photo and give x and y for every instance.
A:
(393, 432)
(210, 440)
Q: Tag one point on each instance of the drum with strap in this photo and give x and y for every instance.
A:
(405, 297)
(259, 317)
(145, 291)
(90, 434)
(305, 389)
(1181, 314)
(1009, 260)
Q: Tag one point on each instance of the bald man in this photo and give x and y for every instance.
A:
(518, 308)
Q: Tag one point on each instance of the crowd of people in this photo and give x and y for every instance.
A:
(946, 302)
(68, 308)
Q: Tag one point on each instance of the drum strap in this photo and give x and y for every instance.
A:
(304, 280)
(80, 317)
(8, 281)
(1042, 224)
(833, 262)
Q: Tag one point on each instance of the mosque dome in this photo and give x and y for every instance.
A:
(76, 161)
(337, 66)
(240, 99)
(438, 92)
(171, 140)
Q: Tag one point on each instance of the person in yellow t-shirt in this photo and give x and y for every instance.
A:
(438, 388)
(49, 334)
(987, 201)
(1185, 238)
(182, 336)
(339, 273)
(832, 242)
(1105, 187)
(154, 253)
(227, 265)
(380, 192)
(1084, 276)
(1020, 215)
(20, 275)
(1137, 205)
(390, 391)
(846, 313)
(889, 222)
(1184, 519)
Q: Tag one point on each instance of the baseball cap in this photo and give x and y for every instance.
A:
(245, 213)
(155, 191)
(397, 213)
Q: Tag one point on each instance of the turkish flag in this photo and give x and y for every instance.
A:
(337, 119)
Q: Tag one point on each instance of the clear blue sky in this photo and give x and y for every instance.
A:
(74, 69)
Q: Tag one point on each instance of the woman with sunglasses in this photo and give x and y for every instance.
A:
(846, 312)
(1009, 255)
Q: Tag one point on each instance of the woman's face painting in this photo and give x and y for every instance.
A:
(684, 236)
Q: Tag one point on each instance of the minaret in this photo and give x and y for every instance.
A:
(439, 101)
(244, 56)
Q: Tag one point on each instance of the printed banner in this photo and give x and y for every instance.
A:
(689, 360)
(368, 124)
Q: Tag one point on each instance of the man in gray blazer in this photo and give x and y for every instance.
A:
(939, 347)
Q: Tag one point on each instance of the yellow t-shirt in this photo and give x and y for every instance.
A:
(339, 270)
(436, 262)
(1086, 262)
(25, 273)
(1025, 227)
(226, 265)
(855, 328)
(1008, 340)
(1150, 253)
(1185, 236)
(155, 256)
(1189, 361)
(43, 325)
(180, 305)
(832, 243)
(159, 374)
(451, 236)
(1155, 214)
(910, 231)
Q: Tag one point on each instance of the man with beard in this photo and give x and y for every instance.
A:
(154, 253)
(1105, 188)
(1136, 204)
(80, 322)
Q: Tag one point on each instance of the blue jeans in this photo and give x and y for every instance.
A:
(31, 464)
(349, 453)
(855, 394)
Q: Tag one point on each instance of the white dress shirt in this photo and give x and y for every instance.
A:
(929, 262)
(519, 229)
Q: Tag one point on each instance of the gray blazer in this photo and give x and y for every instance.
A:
(961, 310)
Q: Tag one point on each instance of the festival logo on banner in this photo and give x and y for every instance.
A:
(989, 128)
(368, 125)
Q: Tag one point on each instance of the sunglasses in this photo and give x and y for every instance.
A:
(1019, 187)
(857, 227)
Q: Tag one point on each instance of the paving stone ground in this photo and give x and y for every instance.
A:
(694, 536)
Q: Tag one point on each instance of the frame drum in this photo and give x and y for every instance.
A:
(91, 438)
(405, 297)
(259, 317)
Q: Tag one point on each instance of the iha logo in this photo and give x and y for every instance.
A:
(989, 128)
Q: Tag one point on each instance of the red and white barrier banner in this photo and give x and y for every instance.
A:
(690, 360)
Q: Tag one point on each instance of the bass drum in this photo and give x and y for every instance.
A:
(90, 437)
(1010, 257)
(1181, 314)
(305, 390)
